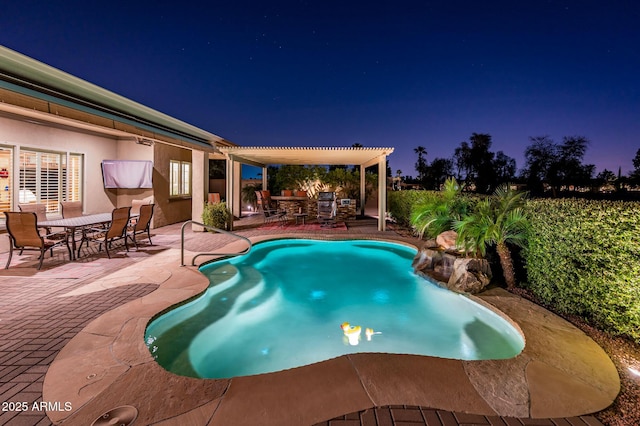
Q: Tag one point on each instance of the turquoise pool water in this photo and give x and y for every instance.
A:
(284, 305)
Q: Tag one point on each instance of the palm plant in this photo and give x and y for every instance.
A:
(499, 220)
(438, 213)
(249, 194)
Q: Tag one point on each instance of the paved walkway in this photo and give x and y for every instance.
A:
(41, 311)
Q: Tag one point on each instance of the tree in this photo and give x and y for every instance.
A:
(570, 170)
(505, 167)
(540, 157)
(499, 220)
(462, 159)
(475, 161)
(249, 194)
(636, 161)
(398, 179)
(607, 180)
(634, 176)
(482, 162)
(421, 164)
(438, 172)
(439, 212)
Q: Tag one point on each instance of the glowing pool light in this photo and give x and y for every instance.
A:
(282, 305)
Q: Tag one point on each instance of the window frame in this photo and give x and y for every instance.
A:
(180, 179)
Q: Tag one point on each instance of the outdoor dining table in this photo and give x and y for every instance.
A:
(72, 223)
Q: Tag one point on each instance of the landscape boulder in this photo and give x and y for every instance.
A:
(469, 275)
(451, 271)
(447, 241)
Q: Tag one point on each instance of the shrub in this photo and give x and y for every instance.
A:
(583, 258)
(400, 204)
(438, 213)
(216, 215)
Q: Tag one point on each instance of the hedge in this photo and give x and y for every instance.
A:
(583, 258)
(400, 203)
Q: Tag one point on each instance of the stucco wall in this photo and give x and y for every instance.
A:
(168, 211)
(22, 134)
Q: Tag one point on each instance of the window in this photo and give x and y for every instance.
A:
(179, 178)
(6, 176)
(73, 178)
(49, 178)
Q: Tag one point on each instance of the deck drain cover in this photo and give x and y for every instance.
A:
(119, 416)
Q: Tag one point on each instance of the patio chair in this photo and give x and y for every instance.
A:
(41, 213)
(71, 209)
(270, 213)
(135, 208)
(39, 209)
(115, 231)
(24, 235)
(142, 225)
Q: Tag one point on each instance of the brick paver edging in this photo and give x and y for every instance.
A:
(406, 415)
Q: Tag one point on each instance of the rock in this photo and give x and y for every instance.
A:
(462, 275)
(426, 259)
(469, 275)
(447, 240)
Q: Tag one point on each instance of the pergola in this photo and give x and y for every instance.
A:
(264, 156)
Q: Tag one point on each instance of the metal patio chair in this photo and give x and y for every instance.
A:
(25, 235)
(115, 231)
(141, 225)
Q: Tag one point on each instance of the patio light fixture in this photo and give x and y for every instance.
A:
(144, 141)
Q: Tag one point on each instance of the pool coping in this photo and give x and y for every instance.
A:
(560, 373)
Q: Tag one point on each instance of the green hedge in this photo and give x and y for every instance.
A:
(583, 258)
(400, 203)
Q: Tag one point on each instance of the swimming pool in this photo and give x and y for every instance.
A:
(286, 303)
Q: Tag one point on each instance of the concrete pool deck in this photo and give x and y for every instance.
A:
(105, 364)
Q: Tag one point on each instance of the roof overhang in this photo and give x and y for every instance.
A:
(264, 156)
(29, 77)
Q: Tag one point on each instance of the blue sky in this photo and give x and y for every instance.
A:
(401, 74)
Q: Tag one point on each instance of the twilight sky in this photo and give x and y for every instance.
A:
(378, 73)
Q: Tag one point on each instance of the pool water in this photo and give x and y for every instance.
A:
(284, 305)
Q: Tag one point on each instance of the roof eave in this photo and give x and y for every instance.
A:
(28, 76)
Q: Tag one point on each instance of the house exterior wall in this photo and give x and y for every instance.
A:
(168, 210)
(19, 134)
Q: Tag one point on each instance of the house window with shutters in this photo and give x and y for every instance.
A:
(49, 178)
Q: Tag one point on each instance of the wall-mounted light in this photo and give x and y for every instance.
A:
(144, 141)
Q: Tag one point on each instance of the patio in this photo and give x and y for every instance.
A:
(72, 334)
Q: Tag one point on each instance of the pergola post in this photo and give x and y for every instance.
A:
(234, 181)
(382, 192)
(363, 189)
(199, 186)
(265, 178)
